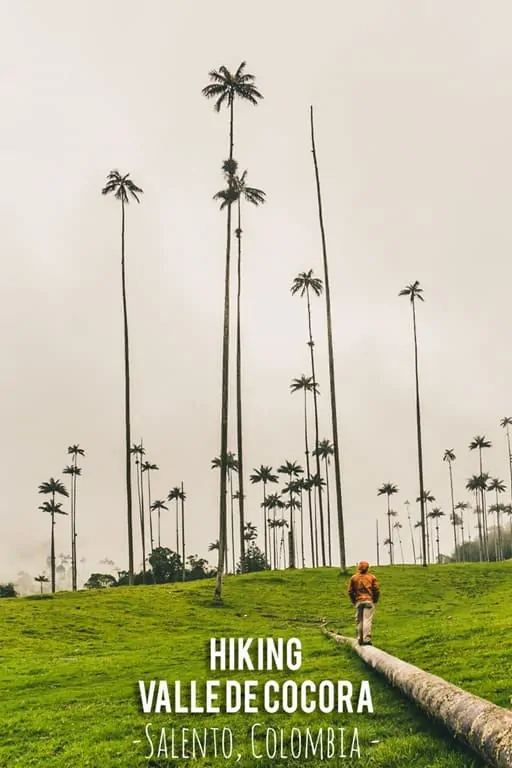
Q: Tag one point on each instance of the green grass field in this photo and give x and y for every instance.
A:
(69, 664)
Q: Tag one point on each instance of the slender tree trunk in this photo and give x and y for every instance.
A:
(484, 512)
(308, 470)
(142, 520)
(177, 528)
(328, 509)
(239, 430)
(412, 536)
(453, 511)
(159, 528)
(73, 549)
(337, 470)
(231, 506)
(149, 511)
(182, 533)
(315, 404)
(390, 537)
(377, 534)
(127, 411)
(291, 536)
(225, 393)
(52, 553)
(302, 531)
(420, 448)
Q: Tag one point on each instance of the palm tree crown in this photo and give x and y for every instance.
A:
(305, 281)
(226, 85)
(412, 290)
(122, 187)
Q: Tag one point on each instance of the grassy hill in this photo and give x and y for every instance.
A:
(70, 664)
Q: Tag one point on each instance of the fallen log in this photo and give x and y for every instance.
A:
(479, 723)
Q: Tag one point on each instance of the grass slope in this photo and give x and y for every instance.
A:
(69, 664)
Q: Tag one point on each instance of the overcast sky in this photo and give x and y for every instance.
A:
(413, 126)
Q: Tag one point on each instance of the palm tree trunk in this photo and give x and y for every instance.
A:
(420, 448)
(315, 404)
(177, 528)
(232, 521)
(182, 534)
(291, 537)
(142, 521)
(52, 553)
(127, 410)
(225, 393)
(390, 536)
(239, 430)
(308, 470)
(334, 417)
(159, 528)
(302, 531)
(378, 547)
(453, 511)
(149, 511)
(412, 536)
(328, 509)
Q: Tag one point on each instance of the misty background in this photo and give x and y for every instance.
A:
(412, 126)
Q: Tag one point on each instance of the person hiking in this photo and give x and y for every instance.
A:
(364, 592)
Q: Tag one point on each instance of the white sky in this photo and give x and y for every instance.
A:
(413, 126)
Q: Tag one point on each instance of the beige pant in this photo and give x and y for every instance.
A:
(364, 617)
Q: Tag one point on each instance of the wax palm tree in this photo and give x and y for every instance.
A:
(75, 451)
(330, 348)
(480, 443)
(239, 190)
(225, 87)
(273, 502)
(53, 508)
(230, 464)
(498, 486)
(407, 505)
(305, 284)
(175, 495)
(477, 484)
(435, 514)
(427, 498)
(41, 580)
(264, 475)
(325, 450)
(157, 506)
(293, 470)
(506, 422)
(148, 467)
(138, 451)
(449, 457)
(414, 292)
(213, 546)
(124, 190)
(397, 527)
(306, 384)
(388, 489)
(462, 506)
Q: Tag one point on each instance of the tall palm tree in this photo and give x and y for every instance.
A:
(75, 451)
(224, 88)
(264, 475)
(506, 422)
(325, 450)
(53, 508)
(428, 498)
(388, 489)
(407, 505)
(498, 486)
(124, 189)
(435, 514)
(293, 470)
(239, 190)
(480, 443)
(230, 464)
(332, 385)
(397, 527)
(449, 456)
(462, 506)
(272, 502)
(175, 494)
(306, 384)
(41, 580)
(138, 452)
(148, 467)
(158, 506)
(305, 282)
(477, 484)
(414, 292)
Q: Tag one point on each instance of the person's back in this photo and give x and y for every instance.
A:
(364, 592)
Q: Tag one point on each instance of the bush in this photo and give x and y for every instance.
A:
(7, 590)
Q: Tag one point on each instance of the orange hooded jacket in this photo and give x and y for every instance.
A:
(363, 586)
